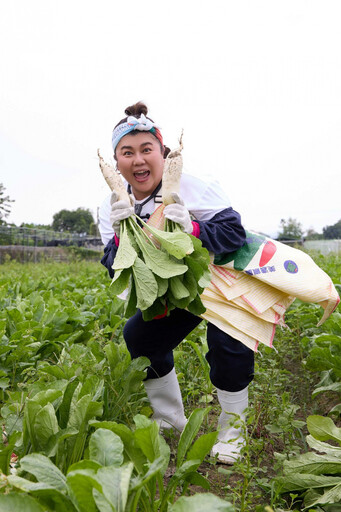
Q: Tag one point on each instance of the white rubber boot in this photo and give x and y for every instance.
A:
(165, 398)
(231, 434)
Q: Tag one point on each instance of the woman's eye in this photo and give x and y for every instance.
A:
(127, 153)
(147, 150)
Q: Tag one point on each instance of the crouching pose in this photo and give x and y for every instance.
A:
(203, 210)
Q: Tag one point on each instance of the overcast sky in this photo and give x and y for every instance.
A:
(256, 86)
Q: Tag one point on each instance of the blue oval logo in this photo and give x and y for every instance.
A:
(291, 267)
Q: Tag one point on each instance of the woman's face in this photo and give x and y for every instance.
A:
(140, 161)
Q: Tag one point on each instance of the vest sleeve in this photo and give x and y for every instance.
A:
(223, 233)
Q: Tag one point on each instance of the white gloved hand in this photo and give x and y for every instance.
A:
(177, 212)
(120, 210)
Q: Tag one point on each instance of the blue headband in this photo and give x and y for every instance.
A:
(142, 124)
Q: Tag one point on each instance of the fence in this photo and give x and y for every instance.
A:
(33, 244)
(30, 237)
(29, 244)
(324, 246)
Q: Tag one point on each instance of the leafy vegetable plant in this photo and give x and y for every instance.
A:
(162, 269)
(123, 471)
(160, 279)
(316, 476)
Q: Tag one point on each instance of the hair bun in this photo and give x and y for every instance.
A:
(137, 109)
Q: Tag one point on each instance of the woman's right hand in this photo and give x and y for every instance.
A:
(120, 210)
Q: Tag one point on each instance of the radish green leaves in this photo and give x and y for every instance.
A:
(160, 279)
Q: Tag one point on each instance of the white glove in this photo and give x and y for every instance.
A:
(177, 212)
(120, 210)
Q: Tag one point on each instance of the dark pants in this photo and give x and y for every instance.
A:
(231, 362)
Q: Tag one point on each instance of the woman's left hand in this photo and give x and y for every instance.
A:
(177, 212)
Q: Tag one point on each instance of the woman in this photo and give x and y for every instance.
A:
(203, 210)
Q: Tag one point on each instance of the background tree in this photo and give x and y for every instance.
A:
(75, 221)
(94, 231)
(291, 229)
(5, 206)
(333, 231)
(311, 234)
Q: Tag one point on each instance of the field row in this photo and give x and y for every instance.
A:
(76, 418)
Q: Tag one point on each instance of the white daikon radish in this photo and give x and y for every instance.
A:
(172, 174)
(113, 179)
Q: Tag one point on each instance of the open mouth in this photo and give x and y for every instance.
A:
(141, 176)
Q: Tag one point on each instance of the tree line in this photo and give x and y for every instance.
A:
(291, 229)
(81, 221)
(72, 221)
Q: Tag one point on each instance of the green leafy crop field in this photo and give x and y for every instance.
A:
(76, 427)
